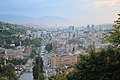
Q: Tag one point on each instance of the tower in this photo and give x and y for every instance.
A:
(20, 44)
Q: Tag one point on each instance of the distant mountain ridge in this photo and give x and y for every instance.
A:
(47, 20)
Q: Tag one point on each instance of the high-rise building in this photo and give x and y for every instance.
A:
(88, 27)
(92, 27)
(71, 28)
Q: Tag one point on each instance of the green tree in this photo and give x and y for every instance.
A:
(48, 47)
(27, 41)
(38, 69)
(18, 61)
(33, 53)
(8, 34)
(113, 36)
(3, 78)
(104, 65)
(58, 76)
(39, 62)
(91, 49)
(9, 71)
(41, 76)
(37, 42)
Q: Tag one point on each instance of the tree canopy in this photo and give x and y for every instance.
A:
(3, 78)
(104, 65)
(38, 69)
(113, 36)
(48, 47)
(9, 72)
(37, 42)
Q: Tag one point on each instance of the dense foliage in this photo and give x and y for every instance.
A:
(37, 42)
(48, 47)
(38, 69)
(33, 53)
(113, 36)
(3, 78)
(18, 61)
(27, 41)
(104, 65)
(15, 61)
(9, 34)
(8, 72)
(58, 76)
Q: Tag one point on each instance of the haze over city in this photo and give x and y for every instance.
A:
(71, 12)
(59, 39)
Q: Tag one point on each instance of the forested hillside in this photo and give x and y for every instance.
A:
(9, 34)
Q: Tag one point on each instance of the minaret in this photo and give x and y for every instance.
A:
(5, 62)
(20, 44)
(5, 58)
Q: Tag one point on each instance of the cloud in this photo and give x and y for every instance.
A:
(114, 2)
(105, 3)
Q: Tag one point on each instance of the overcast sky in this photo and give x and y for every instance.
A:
(78, 11)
